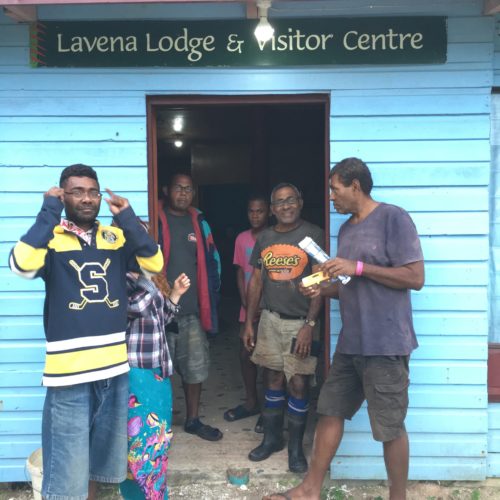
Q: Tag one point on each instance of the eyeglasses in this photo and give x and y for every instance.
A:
(177, 188)
(291, 200)
(79, 194)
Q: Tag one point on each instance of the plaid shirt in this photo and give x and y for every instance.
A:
(148, 313)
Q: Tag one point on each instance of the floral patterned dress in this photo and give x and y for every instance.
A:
(150, 391)
(149, 435)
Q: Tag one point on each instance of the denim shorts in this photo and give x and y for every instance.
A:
(84, 437)
(381, 380)
(189, 349)
(274, 342)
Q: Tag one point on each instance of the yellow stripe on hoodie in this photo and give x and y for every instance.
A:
(153, 264)
(29, 258)
(85, 360)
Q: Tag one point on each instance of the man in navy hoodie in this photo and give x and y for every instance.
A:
(84, 264)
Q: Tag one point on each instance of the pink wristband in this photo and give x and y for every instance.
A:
(359, 268)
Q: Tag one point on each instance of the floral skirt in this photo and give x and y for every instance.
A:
(149, 435)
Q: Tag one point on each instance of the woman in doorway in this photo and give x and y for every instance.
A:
(152, 305)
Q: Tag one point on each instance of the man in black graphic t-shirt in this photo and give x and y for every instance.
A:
(287, 324)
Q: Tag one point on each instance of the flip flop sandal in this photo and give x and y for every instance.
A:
(239, 412)
(203, 431)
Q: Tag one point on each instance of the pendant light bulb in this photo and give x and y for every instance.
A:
(264, 31)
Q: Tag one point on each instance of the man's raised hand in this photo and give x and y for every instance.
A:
(55, 191)
(116, 203)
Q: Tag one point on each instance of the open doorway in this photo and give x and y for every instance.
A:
(237, 145)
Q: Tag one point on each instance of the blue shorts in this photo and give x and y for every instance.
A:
(84, 437)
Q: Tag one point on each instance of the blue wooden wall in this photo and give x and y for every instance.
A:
(424, 130)
(494, 408)
(495, 193)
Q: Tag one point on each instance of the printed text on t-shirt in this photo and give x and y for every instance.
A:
(284, 262)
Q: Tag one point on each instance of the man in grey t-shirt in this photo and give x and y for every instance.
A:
(379, 248)
(188, 247)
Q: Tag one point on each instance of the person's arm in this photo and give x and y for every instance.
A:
(240, 281)
(27, 258)
(328, 291)
(254, 293)
(171, 307)
(239, 261)
(304, 335)
(408, 276)
(147, 253)
(181, 286)
(405, 269)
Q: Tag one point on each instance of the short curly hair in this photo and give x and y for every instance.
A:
(349, 169)
(77, 170)
(257, 196)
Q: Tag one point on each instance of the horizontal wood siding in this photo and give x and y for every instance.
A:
(494, 440)
(494, 408)
(496, 54)
(424, 131)
(425, 158)
(495, 219)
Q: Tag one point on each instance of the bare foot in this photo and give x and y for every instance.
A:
(277, 496)
(298, 493)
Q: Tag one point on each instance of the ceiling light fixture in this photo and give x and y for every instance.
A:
(178, 143)
(264, 31)
(178, 124)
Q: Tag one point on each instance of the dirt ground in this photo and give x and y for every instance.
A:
(333, 490)
(341, 490)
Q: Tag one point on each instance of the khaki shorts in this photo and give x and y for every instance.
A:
(381, 380)
(274, 341)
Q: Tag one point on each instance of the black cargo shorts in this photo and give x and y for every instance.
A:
(381, 380)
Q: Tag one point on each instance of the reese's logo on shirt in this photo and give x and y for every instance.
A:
(284, 262)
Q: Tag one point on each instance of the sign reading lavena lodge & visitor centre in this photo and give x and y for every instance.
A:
(228, 43)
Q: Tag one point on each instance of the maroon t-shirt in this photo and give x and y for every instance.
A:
(376, 319)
